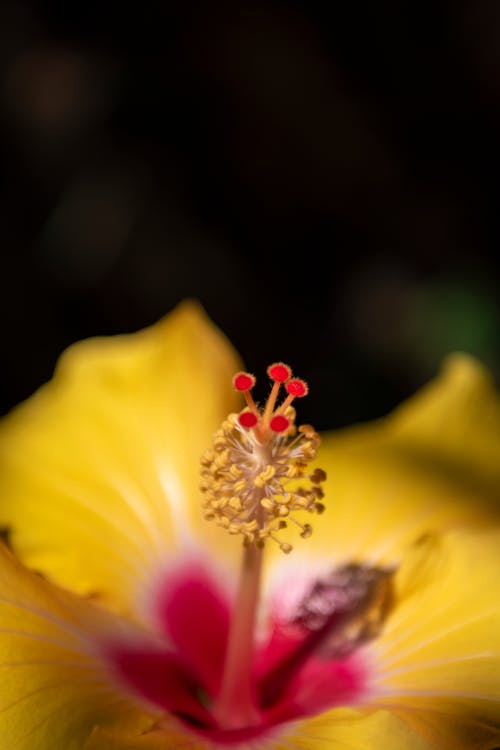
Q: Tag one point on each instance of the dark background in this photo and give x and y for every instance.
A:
(322, 177)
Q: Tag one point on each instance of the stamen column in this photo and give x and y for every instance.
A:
(236, 705)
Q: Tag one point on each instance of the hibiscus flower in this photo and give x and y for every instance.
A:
(186, 566)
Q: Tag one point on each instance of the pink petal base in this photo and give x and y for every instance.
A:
(183, 676)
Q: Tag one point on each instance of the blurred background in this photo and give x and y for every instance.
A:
(321, 176)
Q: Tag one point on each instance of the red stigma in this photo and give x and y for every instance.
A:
(297, 388)
(279, 372)
(279, 423)
(243, 381)
(247, 419)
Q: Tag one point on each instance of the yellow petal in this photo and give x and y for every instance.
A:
(154, 739)
(341, 729)
(348, 729)
(438, 659)
(54, 689)
(433, 464)
(99, 470)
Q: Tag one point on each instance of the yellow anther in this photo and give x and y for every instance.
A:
(266, 503)
(307, 430)
(265, 476)
(207, 458)
(222, 459)
(229, 424)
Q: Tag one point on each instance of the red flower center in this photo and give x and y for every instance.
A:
(307, 663)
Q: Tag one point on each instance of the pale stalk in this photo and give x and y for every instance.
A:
(235, 706)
